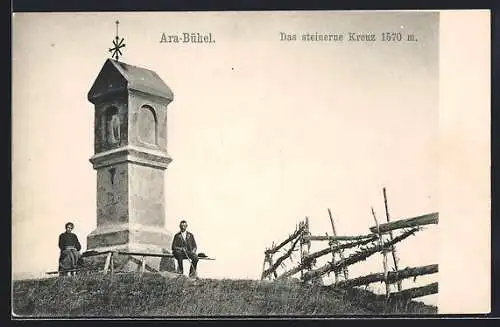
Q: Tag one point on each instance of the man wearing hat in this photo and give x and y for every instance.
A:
(70, 250)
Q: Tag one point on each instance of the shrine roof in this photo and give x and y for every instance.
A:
(132, 78)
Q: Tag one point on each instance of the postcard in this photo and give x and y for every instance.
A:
(250, 164)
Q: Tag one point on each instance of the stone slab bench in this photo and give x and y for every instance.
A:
(108, 265)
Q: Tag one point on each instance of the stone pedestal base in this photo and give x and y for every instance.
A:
(130, 263)
(130, 238)
(137, 236)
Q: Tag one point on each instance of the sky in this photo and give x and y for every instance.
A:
(262, 132)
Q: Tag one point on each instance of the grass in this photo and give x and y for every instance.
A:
(132, 295)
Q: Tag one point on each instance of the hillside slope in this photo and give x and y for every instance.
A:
(131, 295)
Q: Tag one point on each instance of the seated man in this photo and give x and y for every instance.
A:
(184, 247)
(70, 250)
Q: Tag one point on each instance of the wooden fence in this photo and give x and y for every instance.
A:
(381, 238)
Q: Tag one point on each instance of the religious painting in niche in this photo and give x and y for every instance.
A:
(147, 125)
(112, 125)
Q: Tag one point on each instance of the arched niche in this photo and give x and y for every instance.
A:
(147, 124)
(112, 125)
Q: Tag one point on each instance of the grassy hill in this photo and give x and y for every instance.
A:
(131, 295)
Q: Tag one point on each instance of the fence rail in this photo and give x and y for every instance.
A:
(428, 219)
(393, 276)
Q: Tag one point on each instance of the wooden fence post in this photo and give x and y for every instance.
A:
(384, 253)
(331, 244)
(264, 265)
(308, 244)
(341, 252)
(106, 264)
(301, 248)
(112, 263)
(305, 246)
(270, 260)
(393, 248)
(143, 264)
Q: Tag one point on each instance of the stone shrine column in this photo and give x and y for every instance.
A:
(130, 157)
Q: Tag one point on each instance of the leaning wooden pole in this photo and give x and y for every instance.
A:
(392, 277)
(393, 248)
(309, 258)
(415, 292)
(384, 255)
(343, 246)
(427, 219)
(359, 256)
(263, 269)
(341, 253)
(280, 260)
(290, 238)
(269, 259)
(337, 238)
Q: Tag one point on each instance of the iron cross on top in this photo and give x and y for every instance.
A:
(118, 44)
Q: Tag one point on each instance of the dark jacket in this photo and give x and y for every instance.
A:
(179, 242)
(69, 239)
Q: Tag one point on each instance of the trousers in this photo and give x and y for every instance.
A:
(180, 255)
